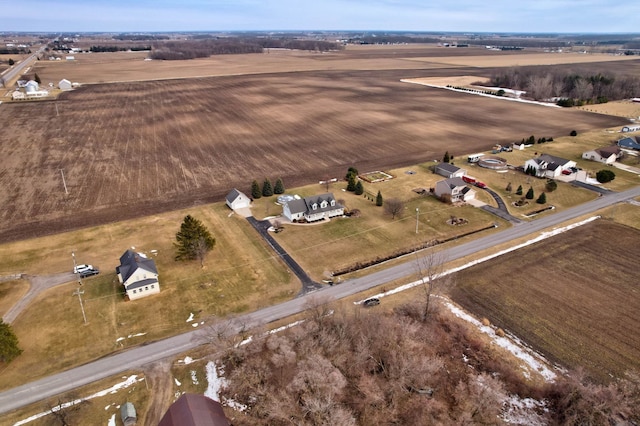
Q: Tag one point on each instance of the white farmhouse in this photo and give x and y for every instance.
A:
(607, 155)
(138, 274)
(549, 166)
(449, 170)
(311, 209)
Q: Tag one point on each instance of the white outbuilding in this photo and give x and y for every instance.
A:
(237, 200)
(64, 84)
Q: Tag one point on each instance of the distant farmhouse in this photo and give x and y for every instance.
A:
(311, 209)
(138, 274)
(449, 170)
(456, 188)
(630, 142)
(64, 84)
(237, 200)
(549, 166)
(607, 155)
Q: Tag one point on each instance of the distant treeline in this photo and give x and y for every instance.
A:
(140, 37)
(568, 87)
(118, 48)
(14, 50)
(190, 49)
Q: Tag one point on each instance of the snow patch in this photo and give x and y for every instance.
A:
(195, 324)
(135, 335)
(131, 380)
(177, 382)
(524, 411)
(112, 420)
(194, 377)
(190, 317)
(187, 360)
(216, 381)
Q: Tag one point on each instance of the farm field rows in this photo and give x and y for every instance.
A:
(133, 149)
(564, 298)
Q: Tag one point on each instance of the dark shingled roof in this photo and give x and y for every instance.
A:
(130, 261)
(194, 410)
(450, 168)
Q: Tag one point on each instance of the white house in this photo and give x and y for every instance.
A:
(316, 207)
(549, 166)
(18, 95)
(449, 170)
(237, 200)
(607, 155)
(456, 188)
(64, 84)
(138, 274)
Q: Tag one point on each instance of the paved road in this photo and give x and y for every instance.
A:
(13, 73)
(139, 356)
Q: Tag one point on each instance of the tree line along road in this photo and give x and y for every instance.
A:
(139, 356)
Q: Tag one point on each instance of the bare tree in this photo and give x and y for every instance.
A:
(583, 89)
(394, 207)
(430, 267)
(540, 87)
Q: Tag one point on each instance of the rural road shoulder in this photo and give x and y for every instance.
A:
(142, 355)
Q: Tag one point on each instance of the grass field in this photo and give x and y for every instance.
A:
(564, 298)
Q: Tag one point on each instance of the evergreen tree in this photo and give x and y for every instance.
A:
(531, 140)
(359, 188)
(530, 194)
(255, 190)
(9, 349)
(446, 157)
(542, 199)
(193, 241)
(11, 62)
(519, 190)
(351, 172)
(351, 186)
(508, 188)
(379, 200)
(279, 187)
(36, 78)
(267, 189)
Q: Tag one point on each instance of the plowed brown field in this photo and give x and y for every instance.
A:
(136, 148)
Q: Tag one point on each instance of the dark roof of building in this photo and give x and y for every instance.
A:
(233, 194)
(455, 182)
(608, 150)
(306, 204)
(552, 162)
(194, 410)
(629, 142)
(448, 167)
(142, 283)
(130, 261)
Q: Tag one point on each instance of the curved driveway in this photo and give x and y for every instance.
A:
(139, 356)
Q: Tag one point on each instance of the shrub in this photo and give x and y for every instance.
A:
(551, 185)
(605, 175)
(573, 133)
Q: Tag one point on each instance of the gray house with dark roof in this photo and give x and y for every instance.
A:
(456, 188)
(138, 274)
(311, 209)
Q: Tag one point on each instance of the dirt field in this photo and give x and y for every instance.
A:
(583, 314)
(132, 149)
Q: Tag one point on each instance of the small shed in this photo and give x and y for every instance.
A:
(128, 414)
(64, 84)
(237, 200)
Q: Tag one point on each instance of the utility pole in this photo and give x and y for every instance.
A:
(417, 215)
(79, 293)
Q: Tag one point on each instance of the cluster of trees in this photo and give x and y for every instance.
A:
(532, 140)
(363, 368)
(571, 88)
(14, 50)
(118, 48)
(202, 48)
(267, 189)
(353, 183)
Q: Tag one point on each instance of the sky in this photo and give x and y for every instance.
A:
(537, 16)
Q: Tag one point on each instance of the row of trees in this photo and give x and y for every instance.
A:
(550, 186)
(267, 189)
(355, 185)
(202, 48)
(575, 87)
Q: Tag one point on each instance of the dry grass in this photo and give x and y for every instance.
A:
(10, 293)
(241, 274)
(624, 108)
(581, 313)
(489, 59)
